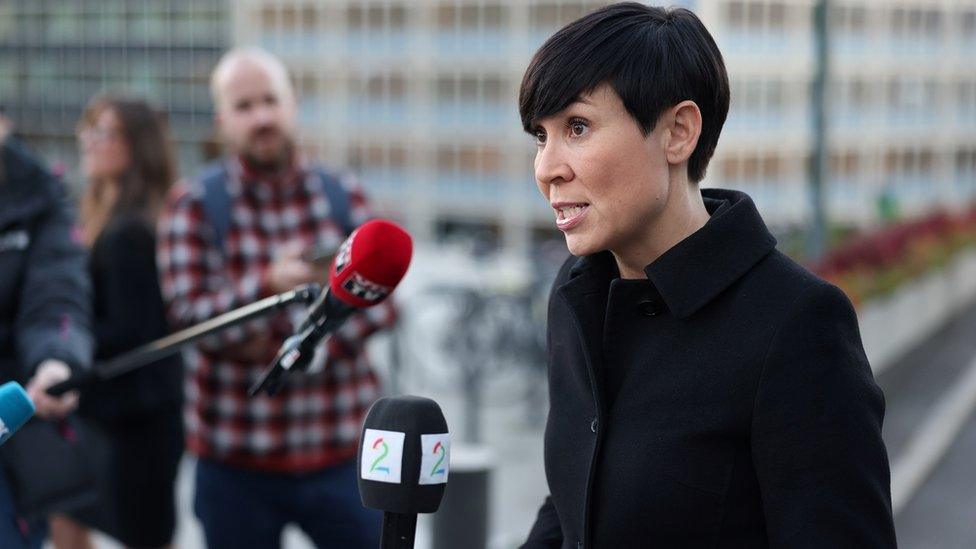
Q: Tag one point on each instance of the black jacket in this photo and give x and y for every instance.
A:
(44, 289)
(724, 402)
(128, 312)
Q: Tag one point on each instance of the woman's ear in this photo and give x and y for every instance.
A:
(685, 123)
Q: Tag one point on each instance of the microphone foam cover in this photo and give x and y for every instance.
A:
(15, 409)
(370, 263)
(407, 426)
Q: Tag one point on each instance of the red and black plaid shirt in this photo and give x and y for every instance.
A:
(315, 418)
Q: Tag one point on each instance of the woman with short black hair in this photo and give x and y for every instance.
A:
(705, 390)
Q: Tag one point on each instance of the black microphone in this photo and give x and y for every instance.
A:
(404, 462)
(324, 316)
(367, 267)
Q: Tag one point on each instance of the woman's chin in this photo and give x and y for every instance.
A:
(580, 246)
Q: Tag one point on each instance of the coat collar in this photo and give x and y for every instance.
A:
(700, 267)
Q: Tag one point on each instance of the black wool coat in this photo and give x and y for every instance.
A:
(725, 401)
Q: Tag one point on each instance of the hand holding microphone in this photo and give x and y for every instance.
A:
(366, 269)
(49, 373)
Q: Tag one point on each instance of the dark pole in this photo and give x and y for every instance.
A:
(817, 240)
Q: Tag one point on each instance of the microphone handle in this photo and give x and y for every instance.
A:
(293, 352)
(327, 312)
(399, 530)
(77, 381)
(171, 344)
(324, 316)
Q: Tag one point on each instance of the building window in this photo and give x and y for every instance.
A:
(554, 15)
(471, 16)
(268, 17)
(735, 14)
(377, 17)
(777, 15)
(774, 96)
(309, 19)
(289, 18)
(966, 95)
(355, 16)
(469, 87)
(968, 24)
(398, 17)
(383, 86)
(469, 159)
(492, 87)
(844, 164)
(933, 23)
(897, 19)
(489, 88)
(858, 20)
(754, 15)
(858, 93)
(307, 84)
(966, 163)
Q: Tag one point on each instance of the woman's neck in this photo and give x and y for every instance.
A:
(683, 214)
(97, 204)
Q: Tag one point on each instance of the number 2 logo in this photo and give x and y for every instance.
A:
(382, 456)
(438, 449)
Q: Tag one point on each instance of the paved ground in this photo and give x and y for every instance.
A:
(942, 514)
(942, 511)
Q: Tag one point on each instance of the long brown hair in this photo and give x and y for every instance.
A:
(142, 186)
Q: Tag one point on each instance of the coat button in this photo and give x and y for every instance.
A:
(650, 307)
(593, 425)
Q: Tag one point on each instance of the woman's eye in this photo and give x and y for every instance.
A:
(540, 137)
(578, 128)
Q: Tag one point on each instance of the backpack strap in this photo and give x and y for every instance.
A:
(339, 202)
(216, 202)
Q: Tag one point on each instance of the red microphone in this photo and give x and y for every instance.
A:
(370, 263)
(366, 269)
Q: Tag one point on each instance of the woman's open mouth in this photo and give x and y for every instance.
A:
(569, 215)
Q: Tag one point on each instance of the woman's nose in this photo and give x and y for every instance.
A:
(551, 166)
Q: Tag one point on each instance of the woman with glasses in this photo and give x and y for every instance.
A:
(134, 420)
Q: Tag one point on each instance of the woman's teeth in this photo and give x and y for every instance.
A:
(571, 211)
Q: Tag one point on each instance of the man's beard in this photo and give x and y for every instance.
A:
(275, 163)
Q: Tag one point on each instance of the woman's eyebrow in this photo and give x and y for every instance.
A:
(537, 122)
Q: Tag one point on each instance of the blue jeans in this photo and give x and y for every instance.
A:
(15, 532)
(240, 508)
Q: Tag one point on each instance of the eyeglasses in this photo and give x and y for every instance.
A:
(96, 134)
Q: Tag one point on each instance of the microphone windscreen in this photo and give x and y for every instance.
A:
(370, 263)
(15, 409)
(404, 455)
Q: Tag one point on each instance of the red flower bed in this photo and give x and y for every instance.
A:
(875, 263)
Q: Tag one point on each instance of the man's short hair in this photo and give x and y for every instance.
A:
(275, 68)
(654, 58)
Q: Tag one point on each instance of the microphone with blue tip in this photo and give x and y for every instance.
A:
(404, 461)
(15, 409)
